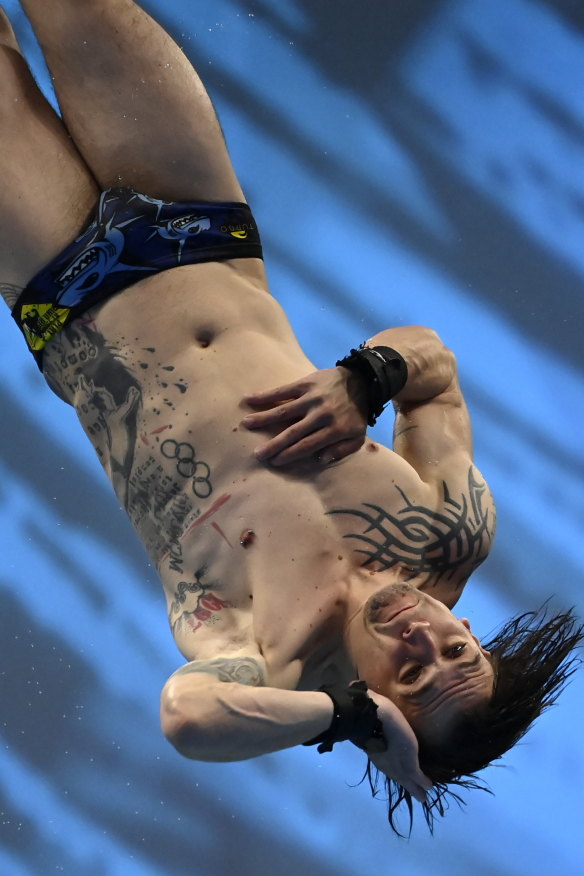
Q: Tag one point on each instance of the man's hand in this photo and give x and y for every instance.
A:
(400, 761)
(322, 416)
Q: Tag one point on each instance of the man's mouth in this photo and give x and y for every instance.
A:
(390, 601)
(400, 611)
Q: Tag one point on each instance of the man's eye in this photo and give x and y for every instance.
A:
(456, 651)
(411, 675)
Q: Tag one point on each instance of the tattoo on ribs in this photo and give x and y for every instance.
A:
(117, 389)
(242, 670)
(84, 369)
(188, 466)
(398, 432)
(203, 604)
(427, 542)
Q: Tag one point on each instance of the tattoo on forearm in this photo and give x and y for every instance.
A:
(195, 603)
(10, 293)
(427, 542)
(242, 670)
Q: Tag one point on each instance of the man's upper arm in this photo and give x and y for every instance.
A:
(224, 709)
(432, 428)
(434, 435)
(245, 669)
(186, 692)
(435, 438)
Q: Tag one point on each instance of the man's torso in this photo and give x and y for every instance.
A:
(248, 555)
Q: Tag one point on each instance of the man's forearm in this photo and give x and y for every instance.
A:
(431, 365)
(219, 721)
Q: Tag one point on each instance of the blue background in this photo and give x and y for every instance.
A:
(414, 162)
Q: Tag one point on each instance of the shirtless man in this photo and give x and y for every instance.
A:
(294, 551)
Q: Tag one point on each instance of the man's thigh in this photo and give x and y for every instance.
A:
(132, 101)
(47, 192)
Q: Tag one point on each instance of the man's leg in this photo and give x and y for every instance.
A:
(46, 191)
(136, 109)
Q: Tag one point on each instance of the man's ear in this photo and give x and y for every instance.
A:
(466, 623)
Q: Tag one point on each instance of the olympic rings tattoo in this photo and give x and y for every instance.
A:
(188, 466)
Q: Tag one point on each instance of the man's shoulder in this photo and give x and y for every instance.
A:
(436, 531)
(459, 532)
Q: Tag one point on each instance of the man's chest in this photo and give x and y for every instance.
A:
(283, 550)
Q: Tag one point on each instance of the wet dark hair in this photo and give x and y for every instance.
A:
(532, 661)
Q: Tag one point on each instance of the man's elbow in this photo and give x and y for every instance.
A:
(416, 341)
(187, 724)
(180, 730)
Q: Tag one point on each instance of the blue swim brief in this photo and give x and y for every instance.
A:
(130, 237)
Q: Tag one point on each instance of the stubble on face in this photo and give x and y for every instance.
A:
(387, 598)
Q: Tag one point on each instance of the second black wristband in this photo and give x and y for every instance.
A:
(354, 718)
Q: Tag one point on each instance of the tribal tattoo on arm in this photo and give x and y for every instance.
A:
(241, 670)
(434, 543)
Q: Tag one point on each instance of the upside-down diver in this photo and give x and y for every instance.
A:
(310, 573)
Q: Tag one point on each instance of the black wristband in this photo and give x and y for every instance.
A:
(355, 718)
(384, 371)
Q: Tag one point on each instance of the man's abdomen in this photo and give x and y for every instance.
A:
(156, 376)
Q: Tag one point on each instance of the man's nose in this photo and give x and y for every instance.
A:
(416, 628)
(418, 633)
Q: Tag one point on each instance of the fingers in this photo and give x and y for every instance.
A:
(315, 426)
(419, 794)
(422, 786)
(280, 393)
(292, 411)
(303, 441)
(289, 446)
(410, 777)
(418, 788)
(335, 452)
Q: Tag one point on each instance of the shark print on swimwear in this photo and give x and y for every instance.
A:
(131, 236)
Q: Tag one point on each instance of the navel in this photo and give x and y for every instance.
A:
(204, 337)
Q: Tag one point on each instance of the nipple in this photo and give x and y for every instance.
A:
(247, 537)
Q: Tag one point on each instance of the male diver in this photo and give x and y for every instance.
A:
(310, 573)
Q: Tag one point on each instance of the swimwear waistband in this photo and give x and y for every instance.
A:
(130, 237)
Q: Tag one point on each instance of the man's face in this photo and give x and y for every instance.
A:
(410, 648)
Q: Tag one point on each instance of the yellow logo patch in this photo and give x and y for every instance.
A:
(41, 322)
(241, 230)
